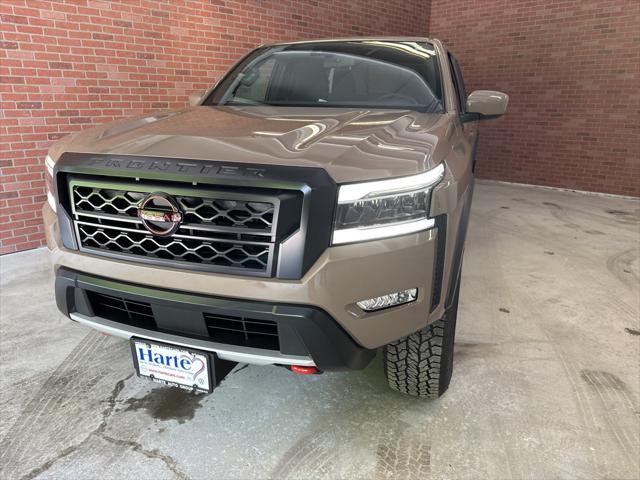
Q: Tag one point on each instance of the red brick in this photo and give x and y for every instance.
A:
(14, 19)
(28, 105)
(8, 79)
(61, 65)
(101, 36)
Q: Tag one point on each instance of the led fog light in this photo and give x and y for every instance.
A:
(389, 300)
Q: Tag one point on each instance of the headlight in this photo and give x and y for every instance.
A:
(385, 208)
(48, 180)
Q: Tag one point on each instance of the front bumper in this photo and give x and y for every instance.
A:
(341, 276)
(305, 335)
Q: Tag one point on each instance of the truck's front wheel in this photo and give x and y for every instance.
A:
(421, 364)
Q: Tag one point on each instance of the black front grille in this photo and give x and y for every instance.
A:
(219, 212)
(117, 309)
(225, 231)
(242, 331)
(222, 254)
(224, 329)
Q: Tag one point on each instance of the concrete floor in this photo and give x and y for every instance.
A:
(546, 381)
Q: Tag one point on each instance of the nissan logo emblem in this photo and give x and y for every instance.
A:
(160, 214)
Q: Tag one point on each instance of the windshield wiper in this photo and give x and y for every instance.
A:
(243, 101)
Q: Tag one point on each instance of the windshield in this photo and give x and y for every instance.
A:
(350, 74)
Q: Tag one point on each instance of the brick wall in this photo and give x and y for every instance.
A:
(572, 70)
(571, 67)
(67, 65)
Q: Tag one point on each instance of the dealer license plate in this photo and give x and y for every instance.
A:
(172, 365)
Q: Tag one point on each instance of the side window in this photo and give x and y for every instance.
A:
(458, 83)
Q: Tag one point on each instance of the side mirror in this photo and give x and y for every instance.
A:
(487, 104)
(195, 98)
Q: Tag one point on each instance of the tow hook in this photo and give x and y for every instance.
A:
(302, 370)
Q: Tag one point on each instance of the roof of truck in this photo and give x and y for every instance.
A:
(357, 39)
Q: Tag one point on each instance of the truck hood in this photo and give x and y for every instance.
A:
(351, 145)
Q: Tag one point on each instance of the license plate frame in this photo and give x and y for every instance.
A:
(170, 372)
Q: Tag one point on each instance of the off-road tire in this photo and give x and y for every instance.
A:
(421, 364)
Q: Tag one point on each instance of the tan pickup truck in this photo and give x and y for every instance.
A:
(307, 210)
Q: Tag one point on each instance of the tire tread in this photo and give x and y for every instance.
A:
(412, 364)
